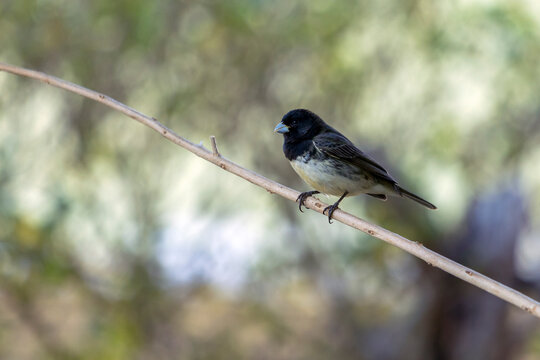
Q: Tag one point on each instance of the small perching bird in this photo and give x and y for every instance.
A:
(331, 164)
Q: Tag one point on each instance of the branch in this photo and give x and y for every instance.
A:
(415, 248)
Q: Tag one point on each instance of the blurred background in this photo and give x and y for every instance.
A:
(117, 244)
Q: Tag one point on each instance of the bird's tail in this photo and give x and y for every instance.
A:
(418, 199)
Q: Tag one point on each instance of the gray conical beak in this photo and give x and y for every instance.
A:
(281, 128)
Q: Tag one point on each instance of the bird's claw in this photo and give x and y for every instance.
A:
(303, 196)
(330, 210)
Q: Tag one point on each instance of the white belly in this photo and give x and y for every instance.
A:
(324, 176)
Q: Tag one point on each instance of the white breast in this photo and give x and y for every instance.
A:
(323, 176)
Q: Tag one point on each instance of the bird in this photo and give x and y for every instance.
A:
(331, 164)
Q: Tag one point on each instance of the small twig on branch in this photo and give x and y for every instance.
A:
(215, 151)
(475, 278)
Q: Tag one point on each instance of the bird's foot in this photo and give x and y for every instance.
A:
(302, 197)
(331, 210)
(334, 207)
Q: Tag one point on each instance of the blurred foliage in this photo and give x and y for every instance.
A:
(115, 244)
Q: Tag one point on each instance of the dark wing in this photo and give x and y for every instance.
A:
(338, 146)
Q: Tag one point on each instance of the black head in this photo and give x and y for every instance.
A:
(300, 124)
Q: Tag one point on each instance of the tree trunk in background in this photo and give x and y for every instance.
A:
(472, 324)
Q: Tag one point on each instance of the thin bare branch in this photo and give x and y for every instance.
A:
(415, 248)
